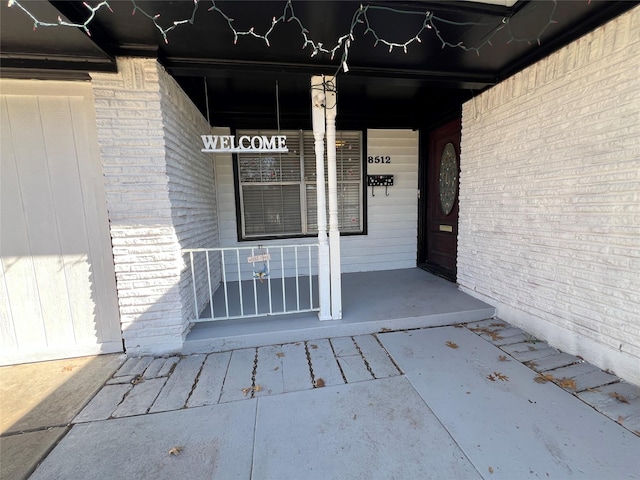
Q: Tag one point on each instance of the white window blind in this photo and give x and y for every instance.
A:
(278, 190)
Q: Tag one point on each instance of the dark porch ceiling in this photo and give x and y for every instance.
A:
(382, 88)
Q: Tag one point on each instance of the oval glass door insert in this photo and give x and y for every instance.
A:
(448, 181)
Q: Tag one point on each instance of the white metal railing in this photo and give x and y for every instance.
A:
(260, 281)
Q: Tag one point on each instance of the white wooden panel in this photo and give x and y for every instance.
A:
(18, 272)
(107, 319)
(40, 218)
(58, 287)
(8, 339)
(55, 115)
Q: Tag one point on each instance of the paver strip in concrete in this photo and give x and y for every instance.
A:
(376, 357)
(176, 390)
(516, 339)
(140, 398)
(134, 366)
(154, 368)
(209, 387)
(127, 367)
(269, 379)
(354, 368)
(168, 366)
(324, 363)
(551, 362)
(124, 379)
(104, 403)
(534, 354)
(523, 346)
(618, 401)
(296, 373)
(344, 346)
(502, 418)
(370, 430)
(239, 380)
(590, 379)
(352, 364)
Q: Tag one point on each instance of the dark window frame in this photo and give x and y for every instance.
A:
(238, 202)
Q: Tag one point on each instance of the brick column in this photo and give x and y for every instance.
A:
(146, 250)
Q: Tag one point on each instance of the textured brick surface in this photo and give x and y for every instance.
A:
(160, 194)
(550, 197)
(192, 190)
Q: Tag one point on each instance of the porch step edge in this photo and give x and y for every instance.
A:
(208, 342)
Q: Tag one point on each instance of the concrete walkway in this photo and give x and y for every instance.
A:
(445, 402)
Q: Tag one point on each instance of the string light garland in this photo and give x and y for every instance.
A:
(63, 23)
(430, 23)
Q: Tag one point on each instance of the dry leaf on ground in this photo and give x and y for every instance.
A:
(314, 346)
(246, 390)
(279, 354)
(497, 376)
(450, 344)
(544, 378)
(503, 358)
(176, 451)
(137, 379)
(619, 397)
(490, 469)
(569, 383)
(319, 382)
(491, 333)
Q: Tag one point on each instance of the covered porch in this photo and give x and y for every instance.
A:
(372, 302)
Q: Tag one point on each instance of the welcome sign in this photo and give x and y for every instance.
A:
(245, 144)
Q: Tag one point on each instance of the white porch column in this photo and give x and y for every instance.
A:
(318, 117)
(334, 227)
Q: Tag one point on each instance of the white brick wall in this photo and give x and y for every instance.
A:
(550, 197)
(192, 190)
(160, 198)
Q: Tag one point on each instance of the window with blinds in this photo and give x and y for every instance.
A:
(278, 190)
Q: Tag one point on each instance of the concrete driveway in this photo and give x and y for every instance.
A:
(448, 402)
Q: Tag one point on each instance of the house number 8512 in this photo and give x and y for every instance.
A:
(379, 159)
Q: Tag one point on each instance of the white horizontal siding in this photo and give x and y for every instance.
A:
(392, 221)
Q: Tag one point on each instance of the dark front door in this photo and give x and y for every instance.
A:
(439, 212)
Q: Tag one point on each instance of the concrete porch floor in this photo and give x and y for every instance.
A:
(371, 302)
(481, 400)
